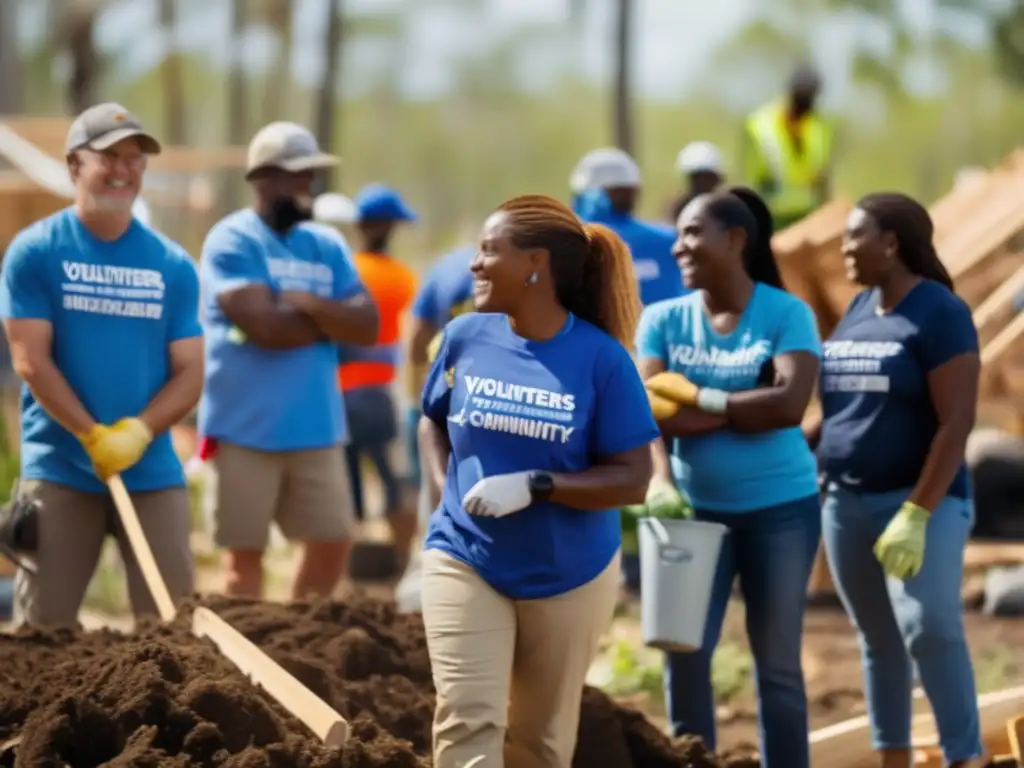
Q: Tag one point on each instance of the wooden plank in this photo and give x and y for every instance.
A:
(1000, 345)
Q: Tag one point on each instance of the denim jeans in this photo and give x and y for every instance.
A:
(905, 623)
(772, 551)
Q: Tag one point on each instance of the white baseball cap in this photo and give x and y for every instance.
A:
(699, 156)
(604, 168)
(334, 208)
(288, 146)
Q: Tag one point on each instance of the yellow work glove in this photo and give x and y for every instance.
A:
(662, 408)
(116, 448)
(900, 548)
(674, 387)
(664, 500)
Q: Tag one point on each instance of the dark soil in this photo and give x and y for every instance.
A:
(160, 697)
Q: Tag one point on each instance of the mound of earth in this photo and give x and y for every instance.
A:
(159, 697)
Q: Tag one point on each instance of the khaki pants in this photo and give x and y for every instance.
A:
(72, 528)
(509, 666)
(306, 492)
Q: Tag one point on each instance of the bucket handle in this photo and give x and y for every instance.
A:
(667, 551)
(659, 530)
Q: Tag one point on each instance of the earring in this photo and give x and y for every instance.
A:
(890, 253)
(532, 279)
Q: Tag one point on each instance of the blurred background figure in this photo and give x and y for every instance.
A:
(787, 150)
(701, 169)
(366, 374)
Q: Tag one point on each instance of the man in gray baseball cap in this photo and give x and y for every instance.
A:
(104, 125)
(280, 293)
(102, 317)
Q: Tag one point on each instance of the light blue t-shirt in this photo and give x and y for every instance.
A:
(509, 405)
(727, 471)
(115, 308)
(447, 291)
(657, 273)
(271, 399)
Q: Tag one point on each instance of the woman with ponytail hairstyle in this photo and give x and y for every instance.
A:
(736, 361)
(536, 430)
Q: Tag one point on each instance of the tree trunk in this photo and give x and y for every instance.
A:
(279, 79)
(11, 93)
(237, 118)
(623, 118)
(172, 81)
(326, 98)
(77, 26)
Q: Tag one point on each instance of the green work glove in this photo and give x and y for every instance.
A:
(900, 548)
(664, 500)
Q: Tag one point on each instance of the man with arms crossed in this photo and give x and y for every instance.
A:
(279, 293)
(92, 276)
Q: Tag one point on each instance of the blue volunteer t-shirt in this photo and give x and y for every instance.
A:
(447, 291)
(878, 420)
(511, 405)
(727, 471)
(271, 399)
(115, 308)
(656, 270)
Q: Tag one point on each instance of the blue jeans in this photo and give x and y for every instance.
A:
(901, 624)
(772, 551)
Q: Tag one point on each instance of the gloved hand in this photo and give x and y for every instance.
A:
(664, 500)
(900, 548)
(674, 387)
(499, 495)
(116, 448)
(661, 407)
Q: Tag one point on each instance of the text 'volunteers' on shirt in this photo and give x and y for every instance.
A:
(727, 471)
(509, 404)
(115, 307)
(263, 399)
(879, 421)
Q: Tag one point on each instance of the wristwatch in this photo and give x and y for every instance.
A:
(542, 485)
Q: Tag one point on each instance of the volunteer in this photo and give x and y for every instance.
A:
(367, 373)
(92, 276)
(541, 411)
(279, 294)
(788, 151)
(615, 178)
(702, 169)
(745, 359)
(899, 391)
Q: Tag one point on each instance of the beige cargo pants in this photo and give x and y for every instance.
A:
(512, 668)
(72, 528)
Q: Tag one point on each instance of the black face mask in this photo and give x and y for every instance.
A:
(802, 103)
(285, 213)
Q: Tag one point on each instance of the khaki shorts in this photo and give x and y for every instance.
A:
(72, 528)
(306, 493)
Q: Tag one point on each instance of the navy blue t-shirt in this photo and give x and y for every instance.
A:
(879, 421)
(512, 405)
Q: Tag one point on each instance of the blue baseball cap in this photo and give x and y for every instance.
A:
(376, 202)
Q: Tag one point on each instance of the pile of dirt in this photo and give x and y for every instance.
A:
(159, 697)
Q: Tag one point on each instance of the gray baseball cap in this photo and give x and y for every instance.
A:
(102, 126)
(288, 146)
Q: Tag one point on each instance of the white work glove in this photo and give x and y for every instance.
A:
(499, 495)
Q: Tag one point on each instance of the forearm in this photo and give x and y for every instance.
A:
(603, 487)
(943, 461)
(660, 464)
(434, 452)
(350, 321)
(690, 422)
(765, 409)
(174, 401)
(281, 327)
(52, 391)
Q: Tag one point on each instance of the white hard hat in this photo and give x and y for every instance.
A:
(699, 156)
(604, 168)
(334, 208)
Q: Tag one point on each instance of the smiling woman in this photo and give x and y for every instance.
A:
(536, 429)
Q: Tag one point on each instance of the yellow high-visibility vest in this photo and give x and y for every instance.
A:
(792, 192)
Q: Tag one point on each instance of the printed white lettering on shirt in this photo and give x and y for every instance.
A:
(646, 269)
(857, 357)
(110, 290)
(744, 361)
(855, 383)
(296, 275)
(517, 409)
